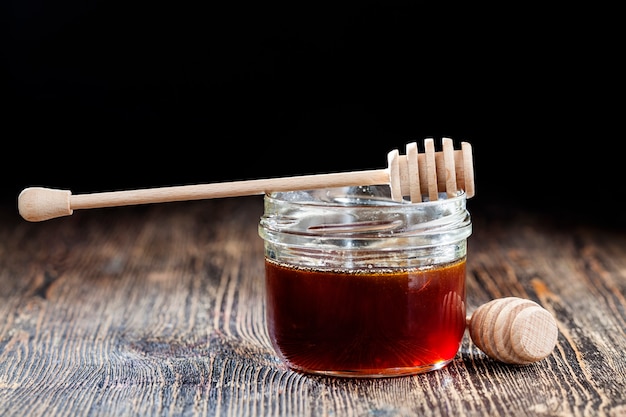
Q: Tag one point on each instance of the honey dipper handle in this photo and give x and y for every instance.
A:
(38, 203)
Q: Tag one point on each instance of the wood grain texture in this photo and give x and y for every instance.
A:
(158, 310)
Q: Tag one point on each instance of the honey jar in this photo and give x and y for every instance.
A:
(361, 285)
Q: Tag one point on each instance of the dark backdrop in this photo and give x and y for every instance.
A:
(114, 95)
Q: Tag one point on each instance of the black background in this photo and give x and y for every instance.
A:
(114, 95)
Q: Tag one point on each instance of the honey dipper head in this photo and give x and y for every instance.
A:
(513, 330)
(427, 174)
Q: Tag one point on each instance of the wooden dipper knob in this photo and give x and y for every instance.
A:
(513, 330)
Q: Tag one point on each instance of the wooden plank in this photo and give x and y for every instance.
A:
(159, 310)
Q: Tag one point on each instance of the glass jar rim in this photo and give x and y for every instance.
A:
(382, 200)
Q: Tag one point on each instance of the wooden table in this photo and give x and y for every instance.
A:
(159, 310)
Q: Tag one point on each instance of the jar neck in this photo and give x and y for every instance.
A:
(361, 218)
(363, 228)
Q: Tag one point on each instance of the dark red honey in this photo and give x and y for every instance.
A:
(366, 322)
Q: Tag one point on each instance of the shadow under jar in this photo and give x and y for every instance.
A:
(359, 285)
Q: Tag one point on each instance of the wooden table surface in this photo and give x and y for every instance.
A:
(158, 310)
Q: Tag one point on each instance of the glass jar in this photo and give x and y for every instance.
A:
(360, 285)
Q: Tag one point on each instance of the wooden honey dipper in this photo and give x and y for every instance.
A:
(413, 175)
(513, 330)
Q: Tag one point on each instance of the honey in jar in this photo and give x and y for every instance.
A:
(360, 285)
